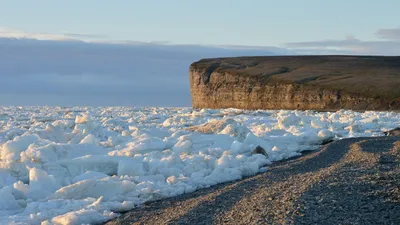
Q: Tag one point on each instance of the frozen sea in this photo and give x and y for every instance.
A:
(83, 165)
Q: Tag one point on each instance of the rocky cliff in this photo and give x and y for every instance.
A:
(297, 82)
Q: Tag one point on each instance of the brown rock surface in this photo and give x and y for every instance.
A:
(297, 82)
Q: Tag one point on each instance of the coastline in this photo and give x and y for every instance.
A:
(351, 181)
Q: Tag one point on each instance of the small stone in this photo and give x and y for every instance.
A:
(259, 150)
(394, 132)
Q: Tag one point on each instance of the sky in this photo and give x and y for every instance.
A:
(223, 22)
(131, 52)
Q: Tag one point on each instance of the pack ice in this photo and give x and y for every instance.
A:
(86, 165)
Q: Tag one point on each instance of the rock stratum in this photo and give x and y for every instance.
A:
(323, 83)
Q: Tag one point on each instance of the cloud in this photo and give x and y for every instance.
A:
(389, 34)
(352, 45)
(63, 36)
(89, 69)
(12, 33)
(85, 36)
(69, 72)
(103, 39)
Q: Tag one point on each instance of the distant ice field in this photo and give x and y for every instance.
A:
(83, 165)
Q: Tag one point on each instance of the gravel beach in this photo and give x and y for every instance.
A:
(351, 181)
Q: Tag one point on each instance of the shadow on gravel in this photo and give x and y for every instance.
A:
(327, 156)
(377, 146)
(206, 211)
(368, 200)
(345, 204)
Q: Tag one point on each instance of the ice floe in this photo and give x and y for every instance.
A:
(82, 165)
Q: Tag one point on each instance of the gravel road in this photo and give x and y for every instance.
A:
(351, 181)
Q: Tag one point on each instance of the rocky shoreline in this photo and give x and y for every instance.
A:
(350, 181)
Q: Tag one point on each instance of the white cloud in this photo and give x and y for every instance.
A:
(12, 33)
(389, 34)
(62, 36)
(59, 72)
(84, 36)
(389, 45)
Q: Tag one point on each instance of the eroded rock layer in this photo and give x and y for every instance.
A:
(297, 82)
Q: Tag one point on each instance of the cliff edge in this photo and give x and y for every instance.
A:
(297, 82)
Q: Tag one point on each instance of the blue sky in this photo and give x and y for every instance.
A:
(223, 22)
(127, 52)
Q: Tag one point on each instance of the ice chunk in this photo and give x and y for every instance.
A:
(318, 124)
(82, 119)
(39, 153)
(104, 164)
(212, 127)
(41, 184)
(83, 216)
(107, 188)
(326, 135)
(143, 144)
(236, 130)
(253, 140)
(182, 146)
(89, 175)
(11, 149)
(7, 200)
(130, 167)
(286, 120)
(238, 147)
(6, 179)
(90, 139)
(90, 163)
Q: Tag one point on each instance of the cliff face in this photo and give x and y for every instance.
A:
(297, 82)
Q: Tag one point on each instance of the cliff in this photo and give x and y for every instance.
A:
(297, 82)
